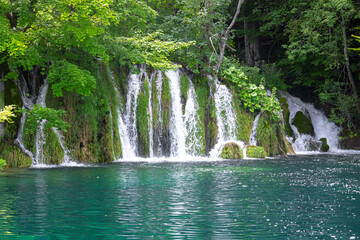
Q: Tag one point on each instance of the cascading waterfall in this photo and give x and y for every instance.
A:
(134, 86)
(225, 114)
(128, 150)
(67, 158)
(192, 123)
(226, 119)
(253, 137)
(40, 136)
(322, 127)
(177, 134)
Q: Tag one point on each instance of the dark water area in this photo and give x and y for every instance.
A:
(314, 197)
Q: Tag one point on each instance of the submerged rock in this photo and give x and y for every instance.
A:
(303, 124)
(255, 152)
(324, 146)
(231, 151)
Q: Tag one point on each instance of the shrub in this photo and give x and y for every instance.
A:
(2, 163)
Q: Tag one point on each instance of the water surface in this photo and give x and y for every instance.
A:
(315, 197)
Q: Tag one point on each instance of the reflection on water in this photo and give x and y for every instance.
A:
(304, 196)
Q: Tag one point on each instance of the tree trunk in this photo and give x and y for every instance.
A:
(248, 58)
(29, 97)
(224, 37)
(347, 64)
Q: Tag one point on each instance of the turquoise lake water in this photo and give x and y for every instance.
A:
(315, 197)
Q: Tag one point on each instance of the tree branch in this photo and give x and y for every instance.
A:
(224, 37)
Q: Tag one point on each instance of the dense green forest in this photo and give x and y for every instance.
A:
(308, 48)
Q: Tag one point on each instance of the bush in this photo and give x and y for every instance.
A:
(2, 163)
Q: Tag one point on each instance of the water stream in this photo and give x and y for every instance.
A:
(226, 119)
(177, 134)
(322, 127)
(253, 135)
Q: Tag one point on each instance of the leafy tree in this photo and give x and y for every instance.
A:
(7, 113)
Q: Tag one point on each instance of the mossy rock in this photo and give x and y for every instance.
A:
(286, 113)
(232, 151)
(303, 124)
(255, 152)
(324, 146)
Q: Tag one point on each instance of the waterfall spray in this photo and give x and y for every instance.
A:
(176, 120)
(253, 135)
(322, 127)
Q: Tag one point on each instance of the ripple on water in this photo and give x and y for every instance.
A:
(302, 197)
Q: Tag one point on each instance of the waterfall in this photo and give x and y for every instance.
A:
(226, 119)
(177, 134)
(128, 150)
(253, 138)
(322, 127)
(225, 114)
(40, 136)
(67, 158)
(192, 123)
(134, 86)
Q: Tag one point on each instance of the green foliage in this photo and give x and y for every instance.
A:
(254, 97)
(149, 49)
(13, 155)
(66, 76)
(255, 152)
(343, 106)
(357, 38)
(194, 20)
(7, 113)
(2, 164)
(244, 117)
(53, 118)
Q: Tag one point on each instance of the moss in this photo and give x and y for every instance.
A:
(286, 113)
(13, 156)
(142, 120)
(255, 152)
(244, 118)
(324, 146)
(166, 101)
(53, 152)
(184, 87)
(267, 136)
(231, 151)
(93, 135)
(270, 136)
(207, 113)
(303, 123)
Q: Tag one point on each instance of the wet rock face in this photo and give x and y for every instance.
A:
(303, 124)
(324, 146)
(255, 152)
(232, 151)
